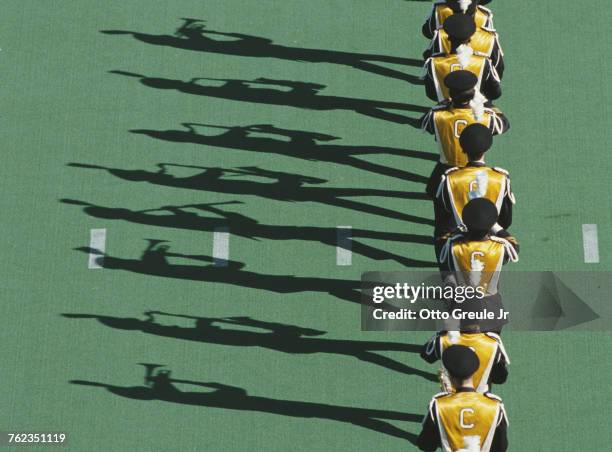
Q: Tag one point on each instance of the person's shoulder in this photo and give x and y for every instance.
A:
(495, 238)
(493, 336)
(442, 106)
(441, 395)
(492, 396)
(485, 10)
(489, 31)
(454, 169)
(501, 170)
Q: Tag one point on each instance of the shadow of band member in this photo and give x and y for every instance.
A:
(274, 92)
(193, 35)
(303, 145)
(162, 387)
(154, 262)
(274, 336)
(288, 187)
(244, 226)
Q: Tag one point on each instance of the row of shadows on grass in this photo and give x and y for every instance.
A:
(274, 336)
(310, 146)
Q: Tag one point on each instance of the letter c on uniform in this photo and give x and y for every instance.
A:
(462, 418)
(459, 123)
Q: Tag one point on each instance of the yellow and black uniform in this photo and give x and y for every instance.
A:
(477, 262)
(438, 67)
(465, 420)
(484, 42)
(446, 122)
(487, 346)
(459, 186)
(442, 10)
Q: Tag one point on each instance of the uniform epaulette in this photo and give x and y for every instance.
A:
(501, 170)
(501, 345)
(441, 394)
(509, 246)
(493, 396)
(500, 240)
(489, 30)
(494, 336)
(451, 170)
(441, 106)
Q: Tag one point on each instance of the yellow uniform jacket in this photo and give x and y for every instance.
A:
(440, 12)
(461, 185)
(483, 16)
(448, 122)
(466, 418)
(487, 346)
(438, 67)
(478, 263)
(483, 42)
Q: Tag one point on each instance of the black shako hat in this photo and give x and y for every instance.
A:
(460, 361)
(461, 80)
(460, 27)
(476, 139)
(479, 215)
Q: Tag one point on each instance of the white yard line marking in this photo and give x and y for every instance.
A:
(221, 238)
(590, 242)
(344, 254)
(97, 245)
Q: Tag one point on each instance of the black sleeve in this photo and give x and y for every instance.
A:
(514, 242)
(499, 373)
(430, 87)
(438, 245)
(499, 124)
(504, 234)
(429, 439)
(505, 213)
(484, 2)
(445, 267)
(498, 60)
(500, 440)
(429, 27)
(427, 122)
(430, 350)
(446, 201)
(491, 87)
(444, 219)
(504, 122)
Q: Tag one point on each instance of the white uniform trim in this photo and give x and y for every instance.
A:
(430, 347)
(483, 386)
(502, 349)
(486, 447)
(512, 254)
(443, 437)
(444, 253)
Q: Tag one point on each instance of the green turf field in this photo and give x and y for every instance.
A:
(308, 126)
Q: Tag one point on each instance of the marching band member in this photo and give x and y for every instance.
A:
(442, 10)
(464, 420)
